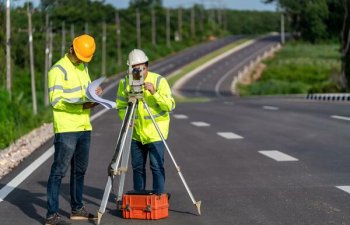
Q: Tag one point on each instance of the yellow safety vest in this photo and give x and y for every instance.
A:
(160, 104)
(67, 85)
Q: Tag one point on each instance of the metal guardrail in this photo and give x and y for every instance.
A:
(329, 97)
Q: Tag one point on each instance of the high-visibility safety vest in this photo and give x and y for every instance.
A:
(160, 104)
(67, 85)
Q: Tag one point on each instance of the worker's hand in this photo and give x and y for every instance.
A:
(99, 91)
(89, 105)
(149, 86)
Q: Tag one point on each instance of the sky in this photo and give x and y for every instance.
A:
(230, 4)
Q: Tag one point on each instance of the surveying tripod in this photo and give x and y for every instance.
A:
(122, 153)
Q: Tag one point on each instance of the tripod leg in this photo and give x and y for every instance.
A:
(196, 203)
(132, 104)
(124, 164)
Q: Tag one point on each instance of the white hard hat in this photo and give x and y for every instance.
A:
(137, 56)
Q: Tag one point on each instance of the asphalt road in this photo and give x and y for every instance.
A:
(216, 80)
(218, 145)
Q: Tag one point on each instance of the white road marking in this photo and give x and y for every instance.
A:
(9, 187)
(180, 116)
(344, 188)
(229, 135)
(340, 117)
(270, 107)
(200, 124)
(278, 156)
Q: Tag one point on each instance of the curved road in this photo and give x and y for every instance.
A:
(216, 80)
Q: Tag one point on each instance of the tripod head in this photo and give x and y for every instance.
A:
(136, 79)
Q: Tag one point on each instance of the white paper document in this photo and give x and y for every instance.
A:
(92, 96)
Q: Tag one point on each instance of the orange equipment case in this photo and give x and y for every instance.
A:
(145, 206)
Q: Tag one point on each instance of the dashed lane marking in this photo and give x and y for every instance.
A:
(278, 156)
(200, 124)
(270, 107)
(180, 116)
(229, 135)
(340, 117)
(344, 188)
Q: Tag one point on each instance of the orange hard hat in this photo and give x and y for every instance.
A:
(84, 47)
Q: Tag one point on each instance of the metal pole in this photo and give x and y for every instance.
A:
(180, 23)
(31, 55)
(8, 48)
(168, 28)
(103, 70)
(283, 39)
(63, 44)
(138, 28)
(72, 32)
(119, 52)
(50, 45)
(47, 51)
(193, 25)
(86, 28)
(153, 27)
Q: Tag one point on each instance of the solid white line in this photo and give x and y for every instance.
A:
(180, 116)
(278, 156)
(8, 188)
(180, 82)
(200, 124)
(229, 135)
(344, 188)
(270, 107)
(13, 184)
(340, 117)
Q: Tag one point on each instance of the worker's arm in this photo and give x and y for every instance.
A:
(56, 78)
(163, 96)
(122, 99)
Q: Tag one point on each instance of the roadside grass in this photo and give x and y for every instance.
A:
(299, 68)
(172, 78)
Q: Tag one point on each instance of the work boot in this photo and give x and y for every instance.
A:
(56, 220)
(82, 214)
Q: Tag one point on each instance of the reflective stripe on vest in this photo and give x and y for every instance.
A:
(62, 69)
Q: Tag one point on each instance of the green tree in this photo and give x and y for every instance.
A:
(307, 17)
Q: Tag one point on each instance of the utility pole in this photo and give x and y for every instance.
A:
(179, 18)
(103, 70)
(119, 52)
(193, 25)
(50, 45)
(63, 44)
(31, 55)
(283, 39)
(8, 48)
(86, 28)
(153, 27)
(138, 28)
(168, 28)
(47, 52)
(72, 35)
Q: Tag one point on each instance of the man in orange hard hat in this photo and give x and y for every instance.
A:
(68, 80)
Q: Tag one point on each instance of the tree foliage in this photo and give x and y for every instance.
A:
(320, 20)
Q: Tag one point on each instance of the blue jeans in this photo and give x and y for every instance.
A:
(139, 154)
(73, 148)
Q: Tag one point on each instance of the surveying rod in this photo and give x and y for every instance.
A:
(117, 156)
(196, 203)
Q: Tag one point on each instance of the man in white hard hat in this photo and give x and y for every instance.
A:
(146, 140)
